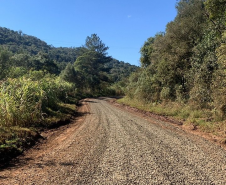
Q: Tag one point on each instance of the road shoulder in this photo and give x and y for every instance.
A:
(172, 121)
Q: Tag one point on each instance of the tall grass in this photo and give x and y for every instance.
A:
(24, 100)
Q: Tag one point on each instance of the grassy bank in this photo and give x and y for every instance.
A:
(202, 119)
(15, 139)
(29, 104)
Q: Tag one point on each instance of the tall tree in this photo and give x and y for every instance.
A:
(94, 43)
(91, 63)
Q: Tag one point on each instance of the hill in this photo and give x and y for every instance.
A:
(18, 42)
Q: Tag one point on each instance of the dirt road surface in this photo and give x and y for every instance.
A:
(109, 145)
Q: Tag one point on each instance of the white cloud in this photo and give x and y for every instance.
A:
(129, 16)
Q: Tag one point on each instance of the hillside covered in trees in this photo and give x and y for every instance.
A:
(25, 47)
(184, 67)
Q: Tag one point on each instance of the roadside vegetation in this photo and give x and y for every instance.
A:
(183, 69)
(193, 118)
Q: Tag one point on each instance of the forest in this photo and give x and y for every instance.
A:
(183, 69)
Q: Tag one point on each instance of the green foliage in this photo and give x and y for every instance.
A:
(216, 13)
(118, 70)
(4, 63)
(18, 41)
(93, 43)
(139, 86)
(63, 54)
(165, 93)
(90, 65)
(24, 100)
(200, 118)
(146, 52)
(16, 72)
(169, 56)
(187, 63)
(30, 52)
(69, 74)
(21, 102)
(219, 84)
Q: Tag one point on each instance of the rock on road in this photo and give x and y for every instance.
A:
(113, 146)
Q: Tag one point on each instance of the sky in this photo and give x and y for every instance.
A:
(122, 25)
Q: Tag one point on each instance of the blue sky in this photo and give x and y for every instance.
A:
(123, 25)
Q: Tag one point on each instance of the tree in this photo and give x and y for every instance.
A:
(93, 43)
(69, 74)
(146, 52)
(43, 62)
(90, 64)
(216, 10)
(168, 57)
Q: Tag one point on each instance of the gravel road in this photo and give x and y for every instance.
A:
(113, 146)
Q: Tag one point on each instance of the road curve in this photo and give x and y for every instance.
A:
(113, 146)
